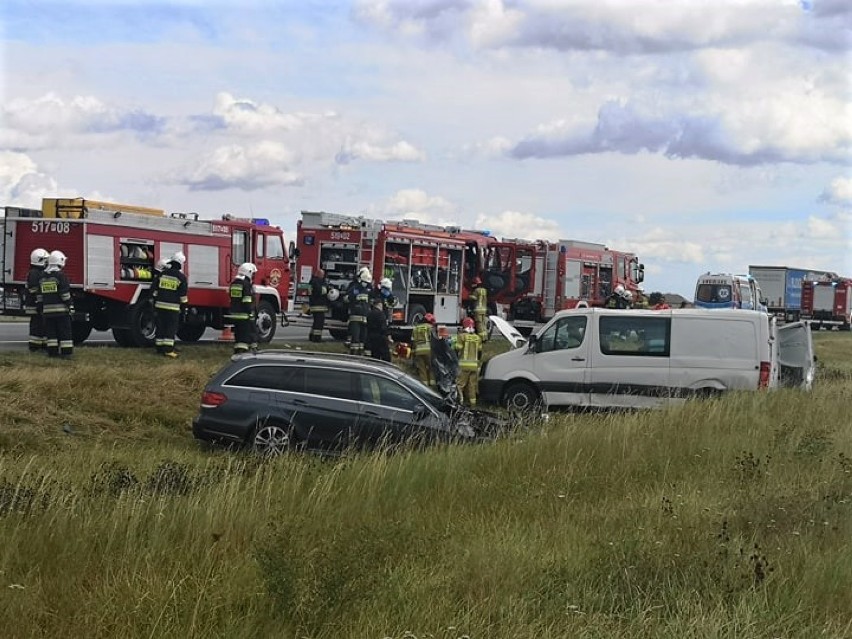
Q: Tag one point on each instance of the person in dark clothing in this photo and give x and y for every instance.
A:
(618, 298)
(38, 262)
(385, 294)
(170, 299)
(318, 304)
(378, 339)
(56, 307)
(242, 312)
(358, 298)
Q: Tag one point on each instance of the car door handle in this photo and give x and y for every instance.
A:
(578, 359)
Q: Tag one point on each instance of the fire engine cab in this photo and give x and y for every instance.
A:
(827, 302)
(112, 250)
(432, 267)
(568, 274)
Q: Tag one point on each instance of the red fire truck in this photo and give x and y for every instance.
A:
(431, 267)
(112, 249)
(827, 302)
(553, 276)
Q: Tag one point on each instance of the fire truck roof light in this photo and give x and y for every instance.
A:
(260, 221)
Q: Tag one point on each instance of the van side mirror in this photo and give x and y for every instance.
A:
(531, 343)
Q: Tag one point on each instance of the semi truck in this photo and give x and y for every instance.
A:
(782, 288)
(112, 249)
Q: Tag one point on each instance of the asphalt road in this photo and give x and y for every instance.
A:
(13, 336)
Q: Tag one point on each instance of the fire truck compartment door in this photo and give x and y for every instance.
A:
(573, 272)
(205, 266)
(100, 261)
(446, 309)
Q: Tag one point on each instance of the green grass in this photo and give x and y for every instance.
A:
(726, 518)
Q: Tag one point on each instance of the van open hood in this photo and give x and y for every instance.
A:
(508, 331)
(796, 355)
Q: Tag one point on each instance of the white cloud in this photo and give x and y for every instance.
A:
(416, 204)
(516, 224)
(247, 116)
(21, 182)
(265, 164)
(401, 151)
(838, 192)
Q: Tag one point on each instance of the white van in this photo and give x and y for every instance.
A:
(642, 358)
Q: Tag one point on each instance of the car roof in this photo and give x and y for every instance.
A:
(350, 362)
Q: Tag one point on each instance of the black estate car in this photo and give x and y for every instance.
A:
(277, 400)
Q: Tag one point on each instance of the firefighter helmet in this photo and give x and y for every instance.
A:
(178, 258)
(162, 264)
(477, 281)
(39, 257)
(364, 275)
(628, 296)
(247, 269)
(386, 283)
(429, 318)
(619, 290)
(468, 322)
(56, 258)
(333, 295)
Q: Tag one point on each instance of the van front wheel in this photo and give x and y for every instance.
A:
(521, 397)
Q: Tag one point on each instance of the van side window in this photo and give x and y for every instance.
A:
(565, 333)
(644, 336)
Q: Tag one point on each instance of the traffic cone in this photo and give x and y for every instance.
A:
(227, 334)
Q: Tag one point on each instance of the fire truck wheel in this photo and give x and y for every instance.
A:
(80, 332)
(191, 332)
(122, 337)
(265, 322)
(143, 323)
(416, 314)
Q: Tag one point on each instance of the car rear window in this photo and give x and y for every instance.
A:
(271, 377)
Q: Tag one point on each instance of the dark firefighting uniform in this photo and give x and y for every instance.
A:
(480, 311)
(377, 333)
(242, 314)
(469, 346)
(56, 306)
(170, 298)
(358, 296)
(38, 338)
(318, 306)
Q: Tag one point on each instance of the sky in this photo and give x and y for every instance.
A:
(703, 136)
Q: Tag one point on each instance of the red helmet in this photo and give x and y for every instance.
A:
(429, 318)
(468, 322)
(477, 281)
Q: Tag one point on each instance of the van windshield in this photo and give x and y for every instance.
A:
(713, 293)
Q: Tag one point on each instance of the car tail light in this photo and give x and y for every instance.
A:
(763, 381)
(210, 399)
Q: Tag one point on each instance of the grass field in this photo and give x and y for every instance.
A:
(725, 518)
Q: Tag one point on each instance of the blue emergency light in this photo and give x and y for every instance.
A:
(260, 221)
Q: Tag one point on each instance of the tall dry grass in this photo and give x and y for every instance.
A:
(725, 518)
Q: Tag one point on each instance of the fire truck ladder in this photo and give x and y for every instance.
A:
(368, 247)
(551, 262)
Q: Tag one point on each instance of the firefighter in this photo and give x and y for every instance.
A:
(358, 298)
(639, 299)
(56, 307)
(38, 262)
(241, 313)
(385, 294)
(617, 299)
(378, 339)
(658, 302)
(421, 339)
(170, 299)
(480, 308)
(469, 345)
(318, 304)
(161, 265)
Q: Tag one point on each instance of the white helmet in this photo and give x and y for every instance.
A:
(333, 295)
(628, 296)
(56, 258)
(247, 269)
(619, 290)
(162, 264)
(39, 257)
(386, 283)
(178, 257)
(364, 275)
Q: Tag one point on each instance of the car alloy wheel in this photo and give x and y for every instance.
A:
(272, 440)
